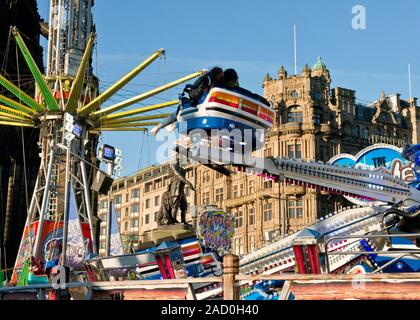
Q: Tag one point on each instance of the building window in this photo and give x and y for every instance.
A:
(148, 187)
(240, 219)
(235, 191)
(134, 223)
(117, 199)
(147, 204)
(206, 198)
(219, 175)
(324, 153)
(295, 208)
(126, 212)
(158, 184)
(147, 219)
(156, 215)
(294, 117)
(206, 176)
(366, 133)
(252, 243)
(219, 195)
(135, 193)
(239, 246)
(126, 226)
(118, 213)
(103, 204)
(157, 201)
(241, 190)
(356, 132)
(268, 185)
(135, 208)
(268, 212)
(251, 216)
(294, 94)
(294, 151)
(251, 187)
(127, 197)
(318, 119)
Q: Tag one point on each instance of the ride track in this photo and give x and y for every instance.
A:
(343, 231)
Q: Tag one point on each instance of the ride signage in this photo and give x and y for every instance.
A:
(217, 229)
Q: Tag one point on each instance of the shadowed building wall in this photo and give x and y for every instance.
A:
(24, 15)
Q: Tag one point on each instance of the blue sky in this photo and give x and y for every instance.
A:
(254, 37)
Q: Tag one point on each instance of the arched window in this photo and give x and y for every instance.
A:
(294, 115)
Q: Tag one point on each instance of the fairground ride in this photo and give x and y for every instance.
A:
(67, 108)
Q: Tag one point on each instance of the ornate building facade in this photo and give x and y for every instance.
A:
(314, 122)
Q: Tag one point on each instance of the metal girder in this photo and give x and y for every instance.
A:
(16, 105)
(146, 95)
(22, 96)
(102, 98)
(140, 110)
(134, 119)
(52, 104)
(128, 125)
(16, 124)
(77, 87)
(15, 113)
(10, 117)
(118, 129)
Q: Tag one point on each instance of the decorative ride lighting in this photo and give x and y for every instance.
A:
(78, 130)
(107, 153)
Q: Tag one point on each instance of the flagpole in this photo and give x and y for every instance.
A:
(409, 82)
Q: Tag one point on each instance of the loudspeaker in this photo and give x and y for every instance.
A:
(102, 183)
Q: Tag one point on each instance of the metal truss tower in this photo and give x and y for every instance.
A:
(67, 109)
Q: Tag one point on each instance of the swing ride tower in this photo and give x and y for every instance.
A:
(68, 109)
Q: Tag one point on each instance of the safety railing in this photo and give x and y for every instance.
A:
(303, 286)
(401, 253)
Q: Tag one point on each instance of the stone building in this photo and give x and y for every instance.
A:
(314, 122)
(137, 202)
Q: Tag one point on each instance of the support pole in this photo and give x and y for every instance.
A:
(66, 206)
(29, 217)
(230, 269)
(108, 227)
(9, 207)
(88, 206)
(43, 205)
